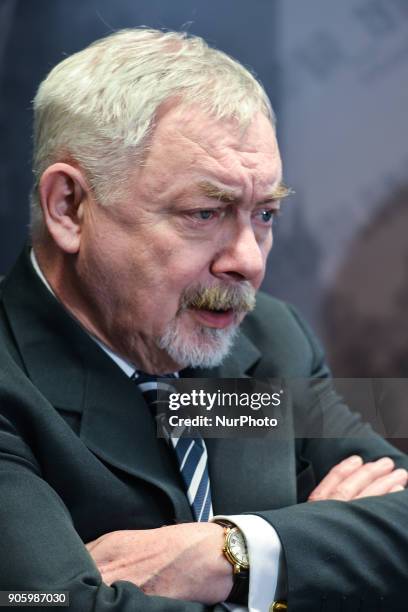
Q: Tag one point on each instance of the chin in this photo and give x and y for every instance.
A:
(201, 347)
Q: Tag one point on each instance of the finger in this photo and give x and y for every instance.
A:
(336, 475)
(385, 484)
(352, 486)
(91, 545)
(397, 489)
(107, 577)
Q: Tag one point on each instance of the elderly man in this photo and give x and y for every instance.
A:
(157, 179)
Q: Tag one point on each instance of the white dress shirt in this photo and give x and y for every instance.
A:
(264, 546)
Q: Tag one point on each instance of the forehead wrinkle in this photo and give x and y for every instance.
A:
(171, 171)
(178, 148)
(209, 137)
(258, 180)
(231, 181)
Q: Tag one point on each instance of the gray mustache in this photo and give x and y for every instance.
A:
(239, 298)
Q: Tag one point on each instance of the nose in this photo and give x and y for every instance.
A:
(242, 258)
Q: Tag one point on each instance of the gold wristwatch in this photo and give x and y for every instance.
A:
(236, 552)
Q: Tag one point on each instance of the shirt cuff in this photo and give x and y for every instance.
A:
(264, 548)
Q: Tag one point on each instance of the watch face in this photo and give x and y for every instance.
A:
(237, 546)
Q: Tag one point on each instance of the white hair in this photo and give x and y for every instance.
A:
(204, 347)
(97, 107)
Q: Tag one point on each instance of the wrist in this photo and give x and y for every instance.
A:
(209, 563)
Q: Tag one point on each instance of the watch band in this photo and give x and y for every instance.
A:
(240, 588)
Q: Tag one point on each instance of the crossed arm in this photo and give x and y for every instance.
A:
(186, 561)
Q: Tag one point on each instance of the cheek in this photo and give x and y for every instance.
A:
(109, 266)
(267, 245)
(184, 261)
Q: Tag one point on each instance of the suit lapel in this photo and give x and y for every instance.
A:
(250, 474)
(117, 425)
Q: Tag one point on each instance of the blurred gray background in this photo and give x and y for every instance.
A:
(337, 75)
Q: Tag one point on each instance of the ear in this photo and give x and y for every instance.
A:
(63, 192)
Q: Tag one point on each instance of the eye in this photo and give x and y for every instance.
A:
(205, 215)
(266, 215)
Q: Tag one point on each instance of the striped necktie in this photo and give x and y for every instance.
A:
(191, 453)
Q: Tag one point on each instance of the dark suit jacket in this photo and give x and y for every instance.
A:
(79, 457)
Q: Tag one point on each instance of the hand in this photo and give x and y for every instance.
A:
(351, 479)
(180, 561)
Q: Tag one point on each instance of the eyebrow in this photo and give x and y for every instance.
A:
(280, 192)
(227, 195)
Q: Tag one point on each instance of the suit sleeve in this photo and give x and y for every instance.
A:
(41, 549)
(343, 555)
